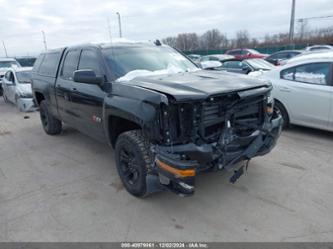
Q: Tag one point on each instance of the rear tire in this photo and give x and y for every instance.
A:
(133, 159)
(280, 109)
(51, 125)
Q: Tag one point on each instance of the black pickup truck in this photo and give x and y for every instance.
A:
(167, 119)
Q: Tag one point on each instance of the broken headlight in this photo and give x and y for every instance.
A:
(270, 104)
(177, 122)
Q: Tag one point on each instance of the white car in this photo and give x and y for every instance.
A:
(5, 64)
(318, 48)
(303, 90)
(17, 88)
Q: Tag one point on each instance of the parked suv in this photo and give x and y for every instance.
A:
(167, 119)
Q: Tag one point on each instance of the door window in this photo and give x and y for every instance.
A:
(70, 64)
(10, 77)
(313, 73)
(273, 57)
(233, 64)
(212, 58)
(204, 58)
(245, 52)
(90, 60)
(282, 56)
(234, 52)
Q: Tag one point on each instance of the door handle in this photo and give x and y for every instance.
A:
(74, 89)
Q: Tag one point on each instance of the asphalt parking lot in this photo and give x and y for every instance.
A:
(66, 188)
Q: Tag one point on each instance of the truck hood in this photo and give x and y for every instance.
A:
(198, 85)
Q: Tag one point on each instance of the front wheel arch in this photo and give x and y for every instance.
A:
(117, 125)
(283, 111)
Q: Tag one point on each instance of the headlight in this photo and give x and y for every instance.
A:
(270, 104)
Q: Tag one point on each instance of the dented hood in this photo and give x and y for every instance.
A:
(198, 85)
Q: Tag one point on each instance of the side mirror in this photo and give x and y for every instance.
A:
(210, 64)
(9, 83)
(87, 76)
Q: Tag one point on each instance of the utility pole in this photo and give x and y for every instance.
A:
(303, 24)
(44, 40)
(292, 22)
(4, 47)
(119, 24)
(109, 29)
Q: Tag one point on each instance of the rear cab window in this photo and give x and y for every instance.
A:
(49, 65)
(38, 62)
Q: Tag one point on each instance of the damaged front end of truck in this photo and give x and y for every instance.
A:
(224, 131)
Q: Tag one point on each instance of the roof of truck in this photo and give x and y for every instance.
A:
(114, 43)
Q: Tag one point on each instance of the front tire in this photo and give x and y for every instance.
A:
(133, 159)
(51, 125)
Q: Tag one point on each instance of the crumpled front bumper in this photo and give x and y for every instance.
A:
(177, 166)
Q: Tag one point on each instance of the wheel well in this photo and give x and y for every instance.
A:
(119, 125)
(39, 97)
(280, 103)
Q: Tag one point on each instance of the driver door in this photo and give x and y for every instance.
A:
(87, 99)
(64, 85)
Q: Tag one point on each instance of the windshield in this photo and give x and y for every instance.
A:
(145, 60)
(24, 77)
(7, 64)
(260, 64)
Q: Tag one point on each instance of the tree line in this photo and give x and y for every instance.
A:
(216, 40)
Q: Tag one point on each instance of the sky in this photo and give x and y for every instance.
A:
(69, 22)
